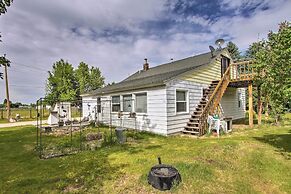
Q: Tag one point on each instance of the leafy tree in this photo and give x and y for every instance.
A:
(253, 49)
(273, 63)
(83, 77)
(96, 79)
(233, 50)
(3, 5)
(65, 83)
(61, 83)
(88, 79)
(3, 9)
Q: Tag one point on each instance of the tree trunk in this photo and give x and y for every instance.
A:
(267, 111)
(260, 106)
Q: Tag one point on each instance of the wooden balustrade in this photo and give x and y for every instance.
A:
(242, 71)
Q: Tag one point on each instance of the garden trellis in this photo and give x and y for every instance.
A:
(70, 122)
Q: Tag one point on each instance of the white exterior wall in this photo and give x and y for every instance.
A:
(155, 120)
(89, 111)
(177, 121)
(230, 104)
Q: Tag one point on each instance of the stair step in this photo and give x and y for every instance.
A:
(191, 132)
(191, 127)
(216, 81)
(195, 115)
(194, 119)
(192, 123)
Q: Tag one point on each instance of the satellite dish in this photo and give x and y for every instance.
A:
(219, 42)
(212, 49)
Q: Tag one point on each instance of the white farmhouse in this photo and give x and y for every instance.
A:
(172, 97)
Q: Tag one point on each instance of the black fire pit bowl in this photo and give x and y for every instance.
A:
(164, 177)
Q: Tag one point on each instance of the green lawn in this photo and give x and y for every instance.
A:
(246, 161)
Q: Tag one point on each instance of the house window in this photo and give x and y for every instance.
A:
(239, 100)
(127, 103)
(181, 101)
(115, 103)
(99, 105)
(141, 103)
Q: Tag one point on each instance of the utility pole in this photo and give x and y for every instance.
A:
(6, 63)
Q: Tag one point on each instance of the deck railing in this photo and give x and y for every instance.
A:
(242, 71)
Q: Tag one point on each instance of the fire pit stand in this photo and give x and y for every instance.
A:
(163, 177)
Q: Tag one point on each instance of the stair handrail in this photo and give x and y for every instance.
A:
(205, 110)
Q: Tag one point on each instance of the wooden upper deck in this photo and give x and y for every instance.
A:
(241, 73)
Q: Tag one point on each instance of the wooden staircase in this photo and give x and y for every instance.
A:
(197, 124)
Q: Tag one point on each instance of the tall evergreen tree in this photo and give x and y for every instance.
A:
(233, 50)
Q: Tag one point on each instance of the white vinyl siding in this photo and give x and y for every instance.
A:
(230, 103)
(153, 120)
(177, 122)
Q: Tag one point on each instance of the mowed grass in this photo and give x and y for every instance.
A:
(246, 161)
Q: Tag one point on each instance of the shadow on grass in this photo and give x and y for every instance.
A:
(280, 141)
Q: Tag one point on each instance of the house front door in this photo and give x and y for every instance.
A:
(224, 64)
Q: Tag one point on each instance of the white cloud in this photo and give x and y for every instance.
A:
(245, 30)
(38, 33)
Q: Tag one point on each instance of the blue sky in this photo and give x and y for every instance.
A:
(116, 35)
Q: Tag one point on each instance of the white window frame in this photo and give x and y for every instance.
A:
(187, 101)
(136, 101)
(116, 103)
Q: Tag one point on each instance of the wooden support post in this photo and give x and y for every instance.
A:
(260, 106)
(251, 109)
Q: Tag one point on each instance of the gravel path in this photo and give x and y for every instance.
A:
(16, 124)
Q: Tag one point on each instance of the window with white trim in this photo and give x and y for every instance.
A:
(181, 101)
(141, 103)
(115, 103)
(127, 103)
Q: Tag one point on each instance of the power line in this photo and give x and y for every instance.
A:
(26, 86)
(27, 66)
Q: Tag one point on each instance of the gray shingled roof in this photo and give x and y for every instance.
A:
(156, 76)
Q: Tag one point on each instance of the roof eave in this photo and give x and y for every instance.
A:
(127, 89)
